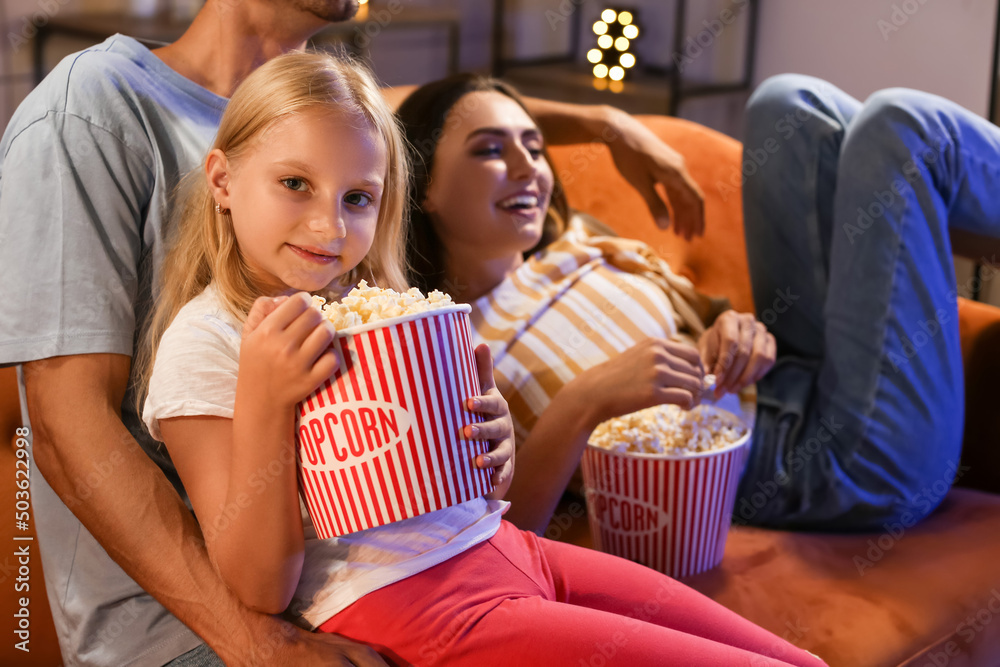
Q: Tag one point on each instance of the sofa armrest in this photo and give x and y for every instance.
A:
(973, 246)
(979, 327)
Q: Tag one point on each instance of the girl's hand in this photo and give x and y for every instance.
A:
(651, 372)
(261, 308)
(499, 431)
(738, 350)
(286, 350)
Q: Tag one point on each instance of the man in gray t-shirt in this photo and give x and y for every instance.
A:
(85, 155)
(87, 166)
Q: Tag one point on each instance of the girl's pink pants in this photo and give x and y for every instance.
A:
(517, 599)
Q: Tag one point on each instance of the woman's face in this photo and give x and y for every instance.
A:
(490, 184)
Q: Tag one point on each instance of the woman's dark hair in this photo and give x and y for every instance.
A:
(423, 115)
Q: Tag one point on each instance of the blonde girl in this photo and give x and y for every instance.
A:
(303, 192)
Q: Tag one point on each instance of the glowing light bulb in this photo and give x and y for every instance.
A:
(600, 28)
(600, 71)
(630, 31)
(621, 43)
(594, 55)
(609, 15)
(616, 73)
(627, 60)
(625, 18)
(605, 41)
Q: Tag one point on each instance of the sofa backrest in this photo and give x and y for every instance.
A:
(717, 262)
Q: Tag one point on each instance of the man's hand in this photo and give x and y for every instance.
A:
(645, 161)
(324, 650)
(281, 643)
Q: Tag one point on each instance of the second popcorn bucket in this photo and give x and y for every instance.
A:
(670, 512)
(382, 440)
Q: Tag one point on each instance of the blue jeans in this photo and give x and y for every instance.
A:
(201, 656)
(847, 208)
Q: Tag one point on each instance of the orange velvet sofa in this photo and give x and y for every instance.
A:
(932, 593)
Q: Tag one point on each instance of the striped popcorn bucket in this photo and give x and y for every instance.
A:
(381, 440)
(668, 512)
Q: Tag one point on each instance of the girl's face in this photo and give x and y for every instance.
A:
(304, 199)
(490, 184)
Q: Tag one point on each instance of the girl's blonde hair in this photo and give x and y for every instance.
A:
(204, 247)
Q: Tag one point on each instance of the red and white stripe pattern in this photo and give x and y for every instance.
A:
(672, 515)
(393, 413)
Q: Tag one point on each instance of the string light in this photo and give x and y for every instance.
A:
(611, 59)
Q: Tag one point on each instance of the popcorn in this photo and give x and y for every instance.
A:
(364, 305)
(667, 429)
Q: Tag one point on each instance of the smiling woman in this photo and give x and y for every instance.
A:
(863, 408)
(583, 327)
(492, 190)
(493, 186)
(493, 195)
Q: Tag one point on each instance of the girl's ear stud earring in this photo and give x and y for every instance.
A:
(218, 209)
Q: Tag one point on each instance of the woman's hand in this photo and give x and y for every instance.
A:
(499, 430)
(645, 161)
(286, 353)
(738, 350)
(651, 372)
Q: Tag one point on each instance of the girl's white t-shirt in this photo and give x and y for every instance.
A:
(195, 374)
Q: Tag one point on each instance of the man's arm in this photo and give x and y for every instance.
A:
(143, 524)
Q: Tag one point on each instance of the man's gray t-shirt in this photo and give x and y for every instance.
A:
(88, 165)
